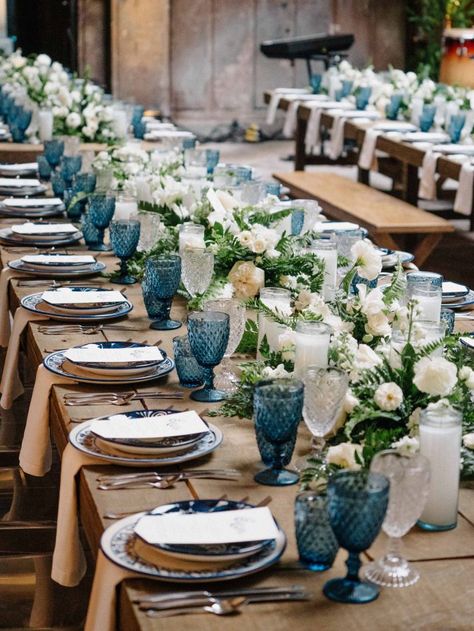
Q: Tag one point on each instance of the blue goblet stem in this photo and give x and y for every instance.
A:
(208, 378)
(353, 564)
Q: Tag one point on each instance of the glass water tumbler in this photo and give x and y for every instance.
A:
(315, 539)
(440, 443)
(189, 371)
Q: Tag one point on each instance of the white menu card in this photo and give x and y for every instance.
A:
(121, 426)
(113, 355)
(58, 258)
(43, 228)
(68, 297)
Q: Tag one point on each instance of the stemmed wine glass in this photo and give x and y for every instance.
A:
(197, 270)
(208, 333)
(53, 150)
(357, 503)
(226, 380)
(160, 284)
(124, 235)
(409, 485)
(325, 389)
(70, 165)
(101, 211)
(278, 404)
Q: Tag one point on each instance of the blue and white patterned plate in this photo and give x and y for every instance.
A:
(117, 369)
(83, 439)
(23, 191)
(58, 364)
(118, 541)
(69, 271)
(468, 341)
(35, 304)
(7, 236)
(390, 257)
(460, 303)
(32, 214)
(208, 552)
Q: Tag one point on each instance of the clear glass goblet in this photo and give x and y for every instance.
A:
(124, 235)
(278, 405)
(197, 270)
(101, 211)
(409, 485)
(357, 503)
(208, 333)
(227, 380)
(160, 284)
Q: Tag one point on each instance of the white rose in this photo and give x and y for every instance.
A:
(388, 396)
(468, 440)
(366, 358)
(276, 373)
(73, 120)
(259, 246)
(350, 402)
(344, 455)
(378, 324)
(466, 374)
(435, 375)
(407, 446)
(18, 61)
(43, 60)
(368, 260)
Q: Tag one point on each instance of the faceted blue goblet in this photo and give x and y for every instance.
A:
(23, 118)
(208, 333)
(455, 126)
(101, 211)
(297, 221)
(139, 129)
(346, 87)
(17, 133)
(70, 165)
(138, 111)
(190, 373)
(124, 236)
(427, 117)
(160, 284)
(392, 109)
(317, 545)
(273, 188)
(188, 143)
(315, 82)
(243, 174)
(89, 232)
(212, 159)
(357, 503)
(44, 169)
(74, 209)
(58, 184)
(84, 183)
(53, 151)
(278, 406)
(448, 317)
(362, 97)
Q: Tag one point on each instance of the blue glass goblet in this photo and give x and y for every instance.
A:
(188, 143)
(70, 165)
(315, 82)
(139, 129)
(427, 117)
(448, 317)
(23, 118)
(455, 127)
(297, 221)
(273, 188)
(317, 545)
(357, 503)
(392, 109)
(74, 207)
(212, 159)
(346, 87)
(160, 284)
(53, 151)
(138, 111)
(190, 373)
(89, 232)
(124, 236)
(243, 174)
(278, 407)
(85, 183)
(101, 211)
(362, 97)
(58, 184)
(18, 134)
(44, 169)
(208, 333)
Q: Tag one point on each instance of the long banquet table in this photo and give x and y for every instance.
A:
(443, 598)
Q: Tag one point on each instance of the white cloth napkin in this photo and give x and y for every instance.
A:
(312, 138)
(427, 187)
(463, 200)
(367, 152)
(6, 276)
(69, 562)
(277, 94)
(290, 119)
(35, 452)
(11, 386)
(336, 142)
(101, 614)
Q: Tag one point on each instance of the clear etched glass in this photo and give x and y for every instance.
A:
(197, 271)
(357, 504)
(409, 485)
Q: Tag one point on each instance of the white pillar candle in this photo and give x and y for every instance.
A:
(428, 300)
(440, 442)
(125, 206)
(191, 237)
(326, 250)
(120, 123)
(45, 125)
(278, 300)
(311, 346)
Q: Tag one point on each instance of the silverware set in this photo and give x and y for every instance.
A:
(54, 283)
(220, 603)
(116, 398)
(60, 329)
(159, 480)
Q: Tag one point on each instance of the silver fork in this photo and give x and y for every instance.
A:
(85, 329)
(121, 399)
(157, 481)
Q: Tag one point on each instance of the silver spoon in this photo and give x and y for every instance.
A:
(221, 607)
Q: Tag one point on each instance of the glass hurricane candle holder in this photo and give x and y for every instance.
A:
(124, 237)
(191, 237)
(159, 286)
(311, 345)
(326, 250)
(208, 333)
(101, 211)
(428, 299)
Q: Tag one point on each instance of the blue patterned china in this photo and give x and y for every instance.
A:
(160, 284)
(111, 368)
(36, 304)
(10, 238)
(124, 236)
(84, 307)
(357, 503)
(457, 302)
(208, 333)
(83, 439)
(118, 540)
(278, 410)
(68, 272)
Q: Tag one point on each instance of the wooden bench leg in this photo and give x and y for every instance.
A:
(300, 148)
(426, 246)
(363, 176)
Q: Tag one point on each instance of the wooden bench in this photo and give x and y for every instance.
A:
(391, 222)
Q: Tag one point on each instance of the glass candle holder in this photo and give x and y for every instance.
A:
(311, 346)
(440, 442)
(191, 237)
(428, 300)
(421, 279)
(125, 206)
(317, 545)
(279, 301)
(326, 250)
(45, 124)
(160, 284)
(101, 211)
(190, 373)
(124, 236)
(150, 229)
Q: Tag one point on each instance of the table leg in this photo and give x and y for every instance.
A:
(363, 176)
(412, 182)
(426, 246)
(385, 240)
(300, 148)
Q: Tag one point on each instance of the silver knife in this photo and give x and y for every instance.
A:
(205, 594)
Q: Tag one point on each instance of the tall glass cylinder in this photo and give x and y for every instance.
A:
(428, 299)
(311, 345)
(278, 300)
(326, 249)
(191, 237)
(125, 206)
(440, 442)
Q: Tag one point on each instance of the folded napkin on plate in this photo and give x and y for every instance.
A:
(427, 187)
(102, 610)
(463, 200)
(35, 452)
(367, 152)
(6, 276)
(278, 94)
(11, 386)
(69, 562)
(43, 228)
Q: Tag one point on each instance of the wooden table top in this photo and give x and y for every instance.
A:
(444, 597)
